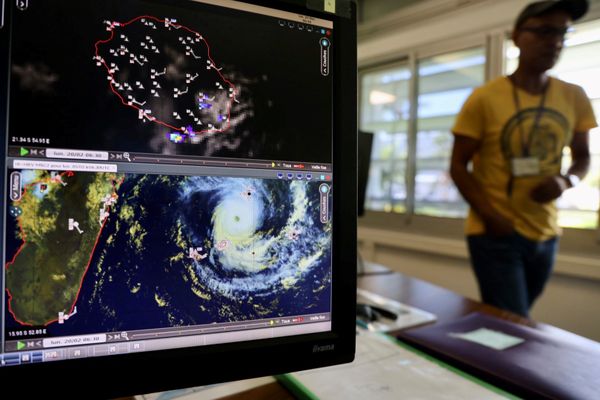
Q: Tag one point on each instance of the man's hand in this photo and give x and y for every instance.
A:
(497, 225)
(548, 190)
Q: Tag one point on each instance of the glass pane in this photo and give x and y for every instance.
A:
(380, 176)
(578, 206)
(384, 111)
(445, 82)
(579, 64)
(387, 146)
(398, 188)
(435, 193)
(386, 188)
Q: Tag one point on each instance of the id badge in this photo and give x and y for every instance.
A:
(525, 166)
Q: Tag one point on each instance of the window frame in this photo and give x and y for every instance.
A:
(411, 60)
(420, 121)
(405, 62)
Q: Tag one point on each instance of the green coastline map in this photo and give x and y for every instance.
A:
(62, 216)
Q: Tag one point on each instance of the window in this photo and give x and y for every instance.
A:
(579, 64)
(444, 81)
(385, 112)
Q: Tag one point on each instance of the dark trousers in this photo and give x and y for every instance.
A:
(511, 270)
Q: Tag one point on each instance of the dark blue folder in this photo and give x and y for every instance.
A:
(546, 365)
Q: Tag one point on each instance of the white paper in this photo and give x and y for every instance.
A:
(489, 338)
(384, 370)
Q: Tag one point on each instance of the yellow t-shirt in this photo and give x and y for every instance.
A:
(490, 115)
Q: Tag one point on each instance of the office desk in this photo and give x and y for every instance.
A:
(445, 304)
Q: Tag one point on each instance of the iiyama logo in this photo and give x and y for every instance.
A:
(327, 347)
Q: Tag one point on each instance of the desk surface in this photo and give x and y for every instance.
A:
(445, 304)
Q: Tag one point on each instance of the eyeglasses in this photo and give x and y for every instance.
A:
(547, 31)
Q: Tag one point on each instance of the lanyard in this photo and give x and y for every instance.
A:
(538, 115)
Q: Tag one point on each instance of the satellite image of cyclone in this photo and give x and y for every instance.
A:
(179, 251)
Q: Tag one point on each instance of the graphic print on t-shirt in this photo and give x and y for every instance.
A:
(545, 142)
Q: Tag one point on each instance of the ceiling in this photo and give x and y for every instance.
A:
(369, 10)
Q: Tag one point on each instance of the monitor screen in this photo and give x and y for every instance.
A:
(169, 171)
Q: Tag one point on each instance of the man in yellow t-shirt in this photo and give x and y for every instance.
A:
(514, 130)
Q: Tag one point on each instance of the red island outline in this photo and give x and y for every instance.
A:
(8, 264)
(154, 119)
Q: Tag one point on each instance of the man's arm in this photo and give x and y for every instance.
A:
(462, 152)
(554, 186)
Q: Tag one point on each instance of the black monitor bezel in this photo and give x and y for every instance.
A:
(365, 146)
(147, 372)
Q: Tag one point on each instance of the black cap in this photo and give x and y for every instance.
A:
(575, 8)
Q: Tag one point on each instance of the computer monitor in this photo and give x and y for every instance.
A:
(179, 192)
(365, 144)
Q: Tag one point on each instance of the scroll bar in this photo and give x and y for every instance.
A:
(1, 14)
